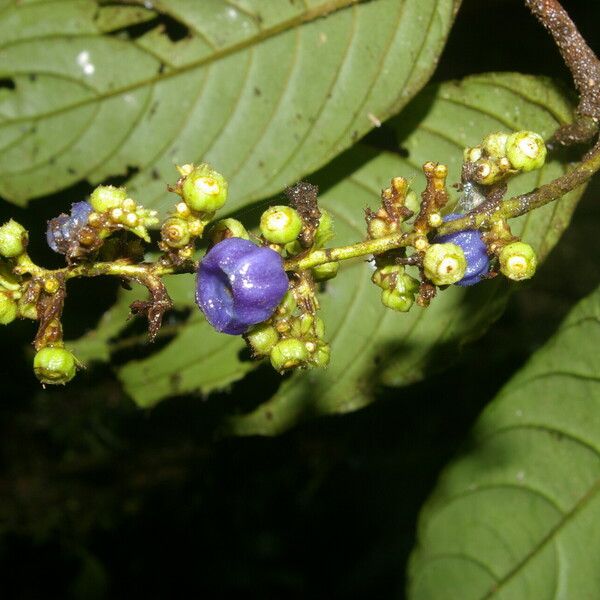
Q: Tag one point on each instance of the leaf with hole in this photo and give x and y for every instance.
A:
(265, 91)
(517, 515)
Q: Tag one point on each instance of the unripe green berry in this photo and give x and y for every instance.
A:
(288, 305)
(227, 228)
(288, 353)
(396, 300)
(13, 239)
(386, 277)
(444, 264)
(27, 310)
(487, 172)
(280, 224)
(54, 366)
(518, 261)
(8, 309)
(321, 356)
(378, 227)
(495, 144)
(526, 150)
(405, 284)
(175, 232)
(262, 338)
(325, 230)
(204, 189)
(302, 325)
(107, 197)
(325, 271)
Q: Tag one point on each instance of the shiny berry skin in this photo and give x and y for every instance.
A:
(63, 230)
(13, 239)
(239, 284)
(474, 249)
(280, 224)
(54, 366)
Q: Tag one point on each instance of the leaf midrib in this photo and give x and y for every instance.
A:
(325, 9)
(563, 521)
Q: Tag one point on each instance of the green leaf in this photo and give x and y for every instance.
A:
(371, 345)
(265, 91)
(518, 514)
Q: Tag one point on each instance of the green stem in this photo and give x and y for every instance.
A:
(520, 205)
(139, 271)
(326, 255)
(508, 209)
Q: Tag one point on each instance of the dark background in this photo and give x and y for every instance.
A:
(100, 499)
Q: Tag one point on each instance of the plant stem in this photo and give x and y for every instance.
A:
(581, 62)
(508, 209)
(365, 248)
(115, 269)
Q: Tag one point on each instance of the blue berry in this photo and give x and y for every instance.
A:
(239, 284)
(474, 249)
(63, 230)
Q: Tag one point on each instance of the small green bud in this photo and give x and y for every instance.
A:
(487, 172)
(386, 277)
(13, 239)
(262, 338)
(444, 264)
(412, 201)
(325, 230)
(495, 144)
(321, 356)
(396, 300)
(288, 305)
(325, 271)
(518, 261)
(294, 248)
(227, 228)
(54, 366)
(288, 353)
(407, 284)
(319, 327)
(302, 325)
(378, 227)
(51, 285)
(526, 150)
(280, 224)
(8, 309)
(472, 154)
(175, 232)
(27, 311)
(204, 189)
(107, 197)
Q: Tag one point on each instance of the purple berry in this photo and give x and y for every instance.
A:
(239, 284)
(474, 248)
(63, 230)
(80, 211)
(54, 233)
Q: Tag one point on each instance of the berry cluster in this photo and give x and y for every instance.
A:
(263, 285)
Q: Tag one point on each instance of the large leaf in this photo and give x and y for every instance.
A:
(372, 345)
(266, 91)
(518, 515)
